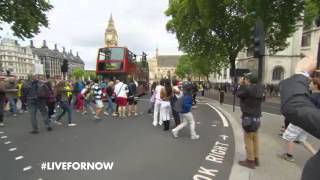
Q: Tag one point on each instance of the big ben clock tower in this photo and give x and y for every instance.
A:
(111, 35)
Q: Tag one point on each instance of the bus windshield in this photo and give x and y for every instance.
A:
(115, 54)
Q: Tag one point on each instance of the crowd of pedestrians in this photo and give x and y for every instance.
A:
(56, 99)
(173, 99)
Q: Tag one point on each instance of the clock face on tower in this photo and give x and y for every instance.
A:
(109, 37)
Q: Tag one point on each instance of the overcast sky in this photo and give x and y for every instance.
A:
(80, 24)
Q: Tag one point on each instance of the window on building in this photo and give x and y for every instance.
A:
(306, 40)
(278, 73)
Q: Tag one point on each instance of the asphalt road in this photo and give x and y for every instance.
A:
(138, 150)
(269, 107)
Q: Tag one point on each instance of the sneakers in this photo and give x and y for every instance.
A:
(14, 115)
(129, 114)
(93, 113)
(136, 114)
(49, 128)
(53, 116)
(174, 133)
(71, 124)
(57, 122)
(114, 114)
(97, 117)
(195, 137)
(287, 157)
(1, 124)
(84, 113)
(247, 163)
(106, 113)
(154, 124)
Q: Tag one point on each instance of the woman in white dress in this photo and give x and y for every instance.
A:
(165, 109)
(157, 104)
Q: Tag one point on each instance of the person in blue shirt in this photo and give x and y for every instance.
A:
(185, 113)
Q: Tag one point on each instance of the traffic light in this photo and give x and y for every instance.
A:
(144, 56)
(64, 66)
(257, 39)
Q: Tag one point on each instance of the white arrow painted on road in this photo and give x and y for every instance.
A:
(224, 137)
(7, 142)
(4, 137)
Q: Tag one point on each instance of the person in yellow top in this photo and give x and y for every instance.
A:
(21, 96)
(69, 91)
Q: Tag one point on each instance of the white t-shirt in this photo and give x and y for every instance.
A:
(121, 90)
(176, 88)
(157, 92)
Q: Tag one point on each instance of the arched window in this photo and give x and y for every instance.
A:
(278, 73)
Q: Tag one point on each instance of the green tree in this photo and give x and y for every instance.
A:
(77, 73)
(184, 67)
(312, 11)
(210, 27)
(24, 16)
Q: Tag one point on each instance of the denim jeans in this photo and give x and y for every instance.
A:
(65, 108)
(34, 106)
(110, 107)
(13, 105)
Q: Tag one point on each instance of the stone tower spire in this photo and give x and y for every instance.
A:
(111, 35)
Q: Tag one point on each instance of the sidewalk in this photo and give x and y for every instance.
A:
(271, 146)
(212, 93)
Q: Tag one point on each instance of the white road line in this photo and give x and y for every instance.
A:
(7, 142)
(27, 168)
(1, 132)
(213, 125)
(13, 149)
(4, 137)
(223, 118)
(19, 157)
(198, 122)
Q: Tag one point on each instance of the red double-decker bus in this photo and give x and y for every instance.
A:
(119, 62)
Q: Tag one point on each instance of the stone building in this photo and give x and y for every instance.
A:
(162, 66)
(20, 61)
(53, 59)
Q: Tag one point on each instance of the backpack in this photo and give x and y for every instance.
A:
(38, 90)
(178, 105)
(78, 87)
(42, 90)
(132, 89)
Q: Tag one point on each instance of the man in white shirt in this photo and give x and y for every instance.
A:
(121, 91)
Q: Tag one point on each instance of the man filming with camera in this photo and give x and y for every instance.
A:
(250, 93)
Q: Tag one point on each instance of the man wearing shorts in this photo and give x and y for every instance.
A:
(291, 134)
(97, 93)
(121, 90)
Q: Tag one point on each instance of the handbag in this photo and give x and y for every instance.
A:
(250, 124)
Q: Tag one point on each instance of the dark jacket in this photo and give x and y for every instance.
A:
(315, 98)
(298, 107)
(250, 100)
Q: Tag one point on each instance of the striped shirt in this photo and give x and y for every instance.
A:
(97, 92)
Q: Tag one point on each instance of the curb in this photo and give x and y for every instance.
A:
(237, 172)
